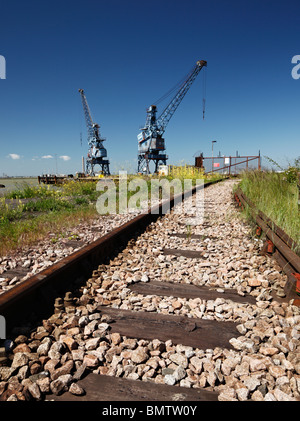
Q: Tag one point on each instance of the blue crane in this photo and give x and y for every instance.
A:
(151, 144)
(97, 152)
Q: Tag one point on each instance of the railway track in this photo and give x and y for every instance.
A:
(157, 310)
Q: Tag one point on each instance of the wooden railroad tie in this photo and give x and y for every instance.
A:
(109, 389)
(195, 332)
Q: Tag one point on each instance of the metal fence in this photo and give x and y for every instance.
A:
(228, 164)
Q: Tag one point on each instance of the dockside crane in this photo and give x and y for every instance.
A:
(97, 152)
(151, 144)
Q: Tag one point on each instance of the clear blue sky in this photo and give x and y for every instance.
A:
(126, 55)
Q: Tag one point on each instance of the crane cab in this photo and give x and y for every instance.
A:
(150, 143)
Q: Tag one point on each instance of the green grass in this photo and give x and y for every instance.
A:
(48, 204)
(27, 191)
(276, 196)
(26, 232)
(8, 213)
(46, 209)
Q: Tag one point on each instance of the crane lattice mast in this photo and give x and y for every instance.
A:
(151, 145)
(97, 152)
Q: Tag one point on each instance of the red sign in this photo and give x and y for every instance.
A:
(216, 164)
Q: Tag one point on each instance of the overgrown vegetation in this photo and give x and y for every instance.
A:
(277, 195)
(183, 172)
(37, 211)
(25, 232)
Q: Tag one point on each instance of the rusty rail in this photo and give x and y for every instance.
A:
(278, 244)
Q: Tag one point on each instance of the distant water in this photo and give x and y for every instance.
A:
(16, 183)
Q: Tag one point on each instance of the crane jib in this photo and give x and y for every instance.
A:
(169, 111)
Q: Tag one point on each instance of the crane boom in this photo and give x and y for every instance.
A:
(96, 151)
(87, 115)
(151, 145)
(170, 109)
